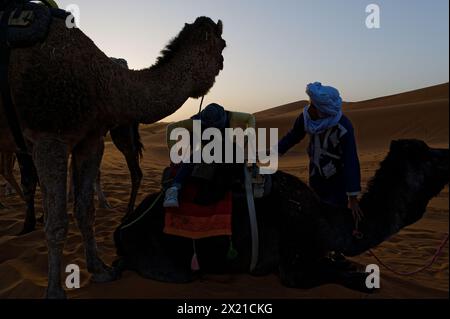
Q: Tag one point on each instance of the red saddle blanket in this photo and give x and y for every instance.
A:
(195, 221)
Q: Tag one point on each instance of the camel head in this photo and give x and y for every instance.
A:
(418, 173)
(425, 169)
(399, 193)
(199, 47)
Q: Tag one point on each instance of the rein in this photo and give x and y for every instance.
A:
(410, 273)
(359, 235)
(201, 104)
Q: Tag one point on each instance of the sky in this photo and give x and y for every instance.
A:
(276, 47)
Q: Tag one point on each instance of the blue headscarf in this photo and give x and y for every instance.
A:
(329, 103)
(213, 116)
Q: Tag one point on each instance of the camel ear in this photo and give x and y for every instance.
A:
(220, 27)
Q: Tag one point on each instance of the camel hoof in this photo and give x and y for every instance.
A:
(108, 274)
(57, 293)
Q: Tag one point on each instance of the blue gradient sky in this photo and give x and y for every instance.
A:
(277, 47)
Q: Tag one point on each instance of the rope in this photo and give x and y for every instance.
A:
(201, 105)
(145, 212)
(162, 192)
(50, 3)
(428, 265)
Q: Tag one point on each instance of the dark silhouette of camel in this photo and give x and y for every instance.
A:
(297, 231)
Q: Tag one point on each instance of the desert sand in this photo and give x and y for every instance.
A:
(421, 114)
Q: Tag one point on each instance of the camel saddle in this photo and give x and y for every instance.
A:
(25, 23)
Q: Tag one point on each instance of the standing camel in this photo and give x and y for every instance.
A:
(68, 94)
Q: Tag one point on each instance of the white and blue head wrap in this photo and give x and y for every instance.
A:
(328, 102)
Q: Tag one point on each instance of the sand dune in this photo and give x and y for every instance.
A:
(419, 114)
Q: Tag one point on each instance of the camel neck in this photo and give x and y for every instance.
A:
(152, 94)
(388, 206)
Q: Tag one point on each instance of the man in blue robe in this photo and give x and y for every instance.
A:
(334, 165)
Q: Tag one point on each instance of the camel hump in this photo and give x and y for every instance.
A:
(25, 24)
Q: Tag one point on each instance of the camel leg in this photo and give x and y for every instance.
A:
(9, 190)
(102, 200)
(50, 157)
(126, 139)
(11, 187)
(14, 186)
(29, 180)
(2, 169)
(9, 177)
(86, 159)
(70, 196)
(136, 178)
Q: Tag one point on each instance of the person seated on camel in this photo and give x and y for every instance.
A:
(334, 164)
(213, 116)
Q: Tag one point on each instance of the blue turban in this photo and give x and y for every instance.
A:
(213, 115)
(328, 102)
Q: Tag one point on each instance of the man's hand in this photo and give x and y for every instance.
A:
(353, 204)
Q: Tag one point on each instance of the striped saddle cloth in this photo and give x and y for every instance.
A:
(196, 219)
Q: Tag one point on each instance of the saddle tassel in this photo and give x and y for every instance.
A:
(232, 252)
(194, 262)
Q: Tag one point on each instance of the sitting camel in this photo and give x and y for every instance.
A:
(68, 94)
(296, 230)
